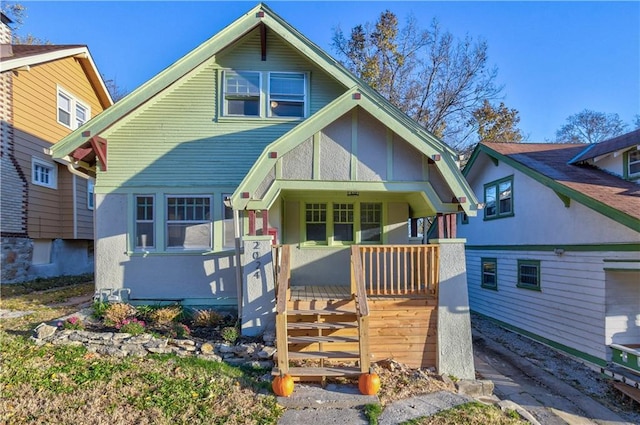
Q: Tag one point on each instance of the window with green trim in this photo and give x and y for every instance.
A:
(633, 163)
(370, 222)
(316, 222)
(343, 222)
(529, 274)
(189, 222)
(242, 93)
(489, 273)
(498, 198)
(145, 222)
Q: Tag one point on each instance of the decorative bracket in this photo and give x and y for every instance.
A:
(99, 146)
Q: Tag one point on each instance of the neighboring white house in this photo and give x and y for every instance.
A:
(556, 253)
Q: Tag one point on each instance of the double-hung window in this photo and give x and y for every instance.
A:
(633, 163)
(44, 173)
(287, 94)
(498, 198)
(489, 273)
(343, 222)
(316, 222)
(529, 274)
(189, 222)
(72, 112)
(370, 222)
(242, 93)
(145, 222)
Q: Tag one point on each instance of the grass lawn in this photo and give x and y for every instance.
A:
(68, 385)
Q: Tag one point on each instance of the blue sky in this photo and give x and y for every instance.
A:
(553, 58)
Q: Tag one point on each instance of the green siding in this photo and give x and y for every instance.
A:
(177, 138)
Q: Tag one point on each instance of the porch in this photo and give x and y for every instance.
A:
(388, 310)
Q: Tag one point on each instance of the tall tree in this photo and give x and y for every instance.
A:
(590, 127)
(497, 124)
(434, 78)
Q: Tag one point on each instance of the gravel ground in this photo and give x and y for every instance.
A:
(577, 374)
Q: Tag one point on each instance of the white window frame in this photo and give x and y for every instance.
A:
(154, 212)
(53, 173)
(90, 194)
(208, 221)
(274, 98)
(225, 104)
(74, 103)
(630, 162)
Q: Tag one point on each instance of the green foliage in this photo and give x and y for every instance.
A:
(473, 413)
(497, 124)
(230, 334)
(117, 313)
(99, 309)
(590, 127)
(372, 412)
(42, 284)
(132, 326)
(434, 78)
(72, 322)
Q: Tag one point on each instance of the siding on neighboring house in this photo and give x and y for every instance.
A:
(569, 307)
(35, 97)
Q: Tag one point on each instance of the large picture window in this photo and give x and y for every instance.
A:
(145, 219)
(498, 198)
(287, 94)
(189, 222)
(242, 93)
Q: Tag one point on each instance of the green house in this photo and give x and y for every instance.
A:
(258, 138)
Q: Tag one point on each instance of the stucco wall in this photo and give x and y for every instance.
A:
(155, 276)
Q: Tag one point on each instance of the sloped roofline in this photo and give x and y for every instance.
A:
(211, 47)
(556, 186)
(615, 144)
(81, 52)
(356, 97)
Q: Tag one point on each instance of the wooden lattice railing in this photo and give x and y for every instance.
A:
(400, 269)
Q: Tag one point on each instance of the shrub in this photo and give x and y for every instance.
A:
(99, 309)
(230, 334)
(72, 322)
(131, 326)
(181, 331)
(117, 313)
(207, 318)
(165, 315)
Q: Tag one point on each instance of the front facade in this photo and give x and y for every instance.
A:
(47, 207)
(555, 254)
(256, 136)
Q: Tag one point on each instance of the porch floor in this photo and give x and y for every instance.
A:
(320, 293)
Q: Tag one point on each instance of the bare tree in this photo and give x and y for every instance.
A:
(590, 127)
(434, 78)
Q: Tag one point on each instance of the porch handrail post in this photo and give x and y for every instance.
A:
(239, 281)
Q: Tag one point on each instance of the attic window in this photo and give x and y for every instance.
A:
(242, 93)
(634, 163)
(286, 94)
(71, 112)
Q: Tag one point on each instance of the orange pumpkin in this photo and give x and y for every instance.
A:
(282, 385)
(369, 383)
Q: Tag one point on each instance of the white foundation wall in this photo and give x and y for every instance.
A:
(200, 279)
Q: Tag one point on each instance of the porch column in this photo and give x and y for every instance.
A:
(258, 292)
(455, 350)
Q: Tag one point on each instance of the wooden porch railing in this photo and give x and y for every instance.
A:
(400, 269)
(359, 294)
(282, 271)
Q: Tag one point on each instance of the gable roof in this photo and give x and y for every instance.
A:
(548, 163)
(260, 14)
(422, 141)
(22, 56)
(607, 146)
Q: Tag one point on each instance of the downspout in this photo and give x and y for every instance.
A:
(75, 206)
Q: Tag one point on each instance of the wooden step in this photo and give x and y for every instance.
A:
(320, 371)
(315, 339)
(323, 325)
(324, 312)
(324, 355)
